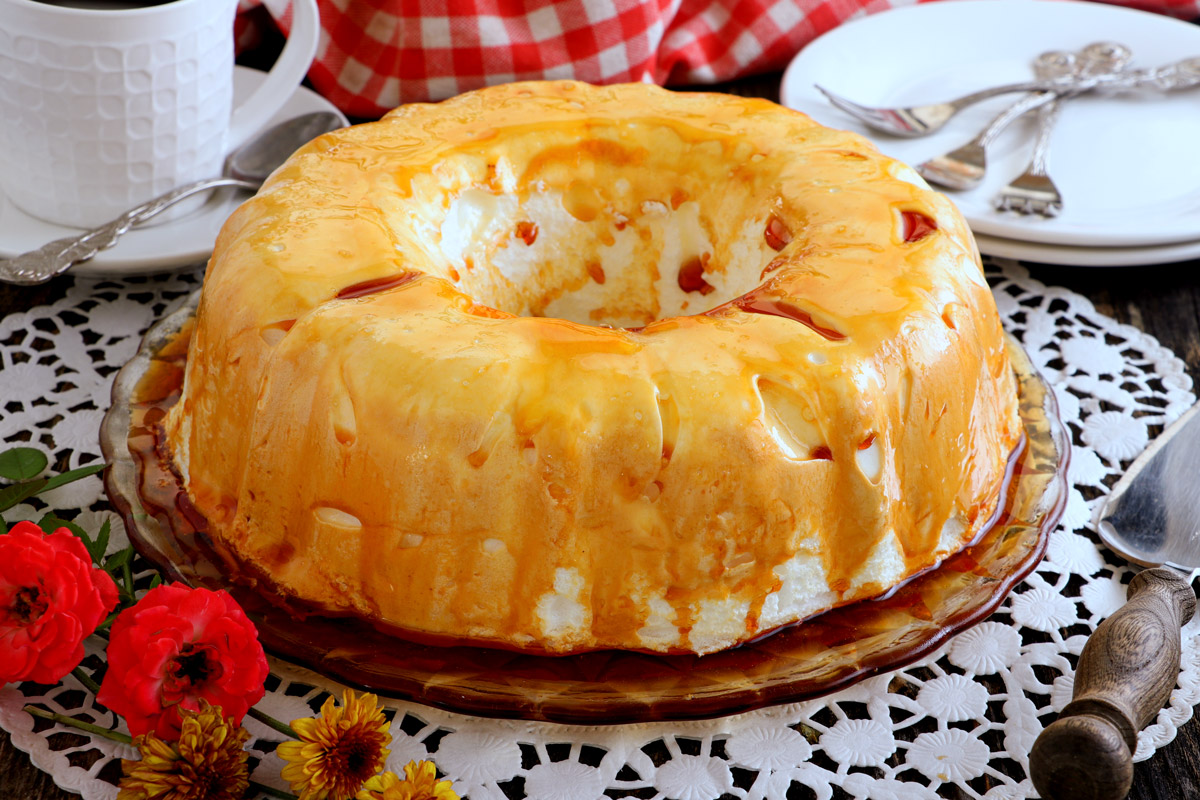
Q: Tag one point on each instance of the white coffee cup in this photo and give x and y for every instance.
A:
(105, 106)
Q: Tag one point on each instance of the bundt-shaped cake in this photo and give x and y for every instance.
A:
(557, 367)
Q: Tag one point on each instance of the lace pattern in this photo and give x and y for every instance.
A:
(962, 719)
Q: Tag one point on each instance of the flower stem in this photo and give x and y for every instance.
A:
(86, 680)
(115, 736)
(267, 790)
(273, 723)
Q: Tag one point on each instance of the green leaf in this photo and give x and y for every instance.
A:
(155, 581)
(118, 559)
(72, 475)
(118, 565)
(22, 463)
(127, 575)
(11, 495)
(101, 542)
(50, 523)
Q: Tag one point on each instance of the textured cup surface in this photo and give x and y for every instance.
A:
(103, 109)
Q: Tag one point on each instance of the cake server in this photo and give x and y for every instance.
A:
(1130, 664)
(246, 168)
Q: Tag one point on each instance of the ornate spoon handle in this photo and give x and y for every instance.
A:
(1169, 77)
(39, 266)
(1178, 75)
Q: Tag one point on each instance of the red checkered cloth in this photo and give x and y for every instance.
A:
(376, 54)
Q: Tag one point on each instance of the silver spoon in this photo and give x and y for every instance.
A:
(246, 168)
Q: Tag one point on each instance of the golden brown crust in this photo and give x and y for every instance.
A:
(801, 408)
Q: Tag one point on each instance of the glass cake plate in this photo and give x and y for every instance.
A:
(798, 662)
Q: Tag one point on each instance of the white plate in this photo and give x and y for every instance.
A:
(1072, 256)
(166, 246)
(1128, 166)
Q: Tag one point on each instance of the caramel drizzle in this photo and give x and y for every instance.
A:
(691, 276)
(527, 231)
(917, 225)
(821, 453)
(777, 234)
(377, 285)
(782, 308)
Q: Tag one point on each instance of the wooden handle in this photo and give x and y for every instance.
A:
(1125, 674)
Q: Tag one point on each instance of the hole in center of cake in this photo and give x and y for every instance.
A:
(608, 244)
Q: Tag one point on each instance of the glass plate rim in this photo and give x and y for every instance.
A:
(122, 481)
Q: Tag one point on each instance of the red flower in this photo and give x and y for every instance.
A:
(51, 599)
(176, 647)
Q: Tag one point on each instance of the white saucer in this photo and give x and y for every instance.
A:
(168, 246)
(1071, 256)
(1128, 165)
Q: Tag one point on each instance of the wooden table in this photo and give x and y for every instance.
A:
(1163, 300)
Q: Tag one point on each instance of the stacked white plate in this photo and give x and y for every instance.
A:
(1127, 165)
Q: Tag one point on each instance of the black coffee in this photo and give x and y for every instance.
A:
(105, 5)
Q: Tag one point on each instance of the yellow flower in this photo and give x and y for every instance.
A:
(207, 763)
(420, 783)
(338, 750)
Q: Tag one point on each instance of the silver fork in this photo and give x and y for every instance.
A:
(911, 121)
(964, 167)
(1033, 192)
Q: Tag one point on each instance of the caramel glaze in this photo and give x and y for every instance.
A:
(755, 303)
(376, 285)
(430, 457)
(197, 559)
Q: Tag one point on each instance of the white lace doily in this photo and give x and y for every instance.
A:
(966, 716)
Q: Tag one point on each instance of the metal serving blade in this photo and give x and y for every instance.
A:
(1152, 514)
(1130, 663)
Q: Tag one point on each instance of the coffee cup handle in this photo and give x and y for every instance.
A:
(288, 71)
